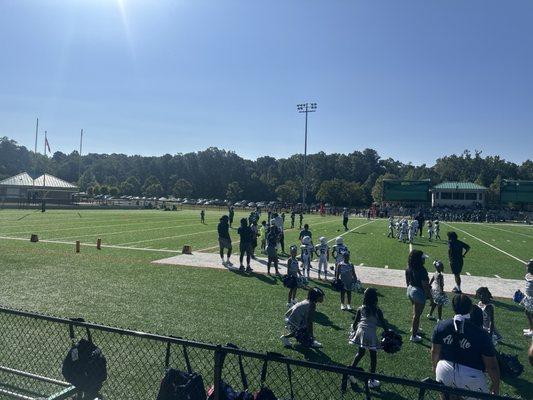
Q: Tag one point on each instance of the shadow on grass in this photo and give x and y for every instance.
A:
(507, 306)
(323, 319)
(511, 346)
(315, 355)
(522, 386)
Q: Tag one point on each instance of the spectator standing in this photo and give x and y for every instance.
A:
(456, 256)
(417, 280)
(224, 240)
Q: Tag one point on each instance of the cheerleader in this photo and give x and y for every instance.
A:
(345, 271)
(322, 252)
(527, 301)
(485, 304)
(430, 230)
(306, 253)
(291, 279)
(299, 320)
(363, 332)
(438, 296)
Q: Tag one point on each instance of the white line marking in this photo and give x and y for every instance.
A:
(351, 230)
(498, 276)
(164, 238)
(488, 244)
(93, 245)
(506, 230)
(120, 232)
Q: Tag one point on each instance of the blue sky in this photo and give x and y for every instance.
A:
(413, 79)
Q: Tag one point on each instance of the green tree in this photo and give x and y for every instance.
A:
(154, 190)
(234, 191)
(87, 179)
(113, 191)
(96, 189)
(182, 188)
(104, 189)
(90, 191)
(288, 192)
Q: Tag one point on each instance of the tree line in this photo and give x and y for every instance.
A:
(352, 179)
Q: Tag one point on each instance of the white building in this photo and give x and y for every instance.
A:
(458, 194)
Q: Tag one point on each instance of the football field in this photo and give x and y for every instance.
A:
(119, 285)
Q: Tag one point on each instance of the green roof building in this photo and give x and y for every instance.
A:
(458, 194)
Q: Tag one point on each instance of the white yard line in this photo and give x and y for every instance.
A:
(351, 230)
(167, 237)
(93, 245)
(488, 244)
(505, 230)
(105, 234)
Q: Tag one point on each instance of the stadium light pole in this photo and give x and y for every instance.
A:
(305, 108)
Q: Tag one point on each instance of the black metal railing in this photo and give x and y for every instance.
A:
(36, 344)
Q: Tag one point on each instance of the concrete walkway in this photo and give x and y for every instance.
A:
(503, 288)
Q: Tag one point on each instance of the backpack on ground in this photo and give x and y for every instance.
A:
(85, 366)
(181, 385)
(510, 366)
(264, 393)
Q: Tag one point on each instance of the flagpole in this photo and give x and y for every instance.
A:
(43, 208)
(35, 156)
(36, 134)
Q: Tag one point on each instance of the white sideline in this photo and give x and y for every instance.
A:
(488, 244)
(94, 245)
(104, 234)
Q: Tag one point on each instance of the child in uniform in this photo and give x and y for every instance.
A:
(527, 301)
(437, 229)
(346, 273)
(391, 228)
(438, 296)
(485, 304)
(262, 235)
(339, 249)
(293, 272)
(430, 230)
(299, 320)
(322, 252)
(363, 333)
(306, 253)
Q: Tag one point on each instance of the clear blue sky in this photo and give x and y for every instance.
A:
(413, 79)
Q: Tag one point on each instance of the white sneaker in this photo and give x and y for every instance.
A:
(431, 317)
(528, 333)
(316, 344)
(348, 307)
(415, 339)
(229, 263)
(373, 383)
(286, 342)
(526, 330)
(343, 307)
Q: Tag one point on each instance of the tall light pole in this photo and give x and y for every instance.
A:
(305, 108)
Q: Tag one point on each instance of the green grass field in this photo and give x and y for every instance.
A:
(119, 286)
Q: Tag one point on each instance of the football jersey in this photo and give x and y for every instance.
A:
(322, 249)
(340, 250)
(292, 267)
(307, 250)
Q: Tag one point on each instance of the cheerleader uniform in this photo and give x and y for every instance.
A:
(437, 293)
(527, 301)
(365, 333)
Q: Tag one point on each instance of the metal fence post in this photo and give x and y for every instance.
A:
(219, 360)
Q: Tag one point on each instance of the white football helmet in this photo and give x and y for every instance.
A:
(339, 240)
(306, 240)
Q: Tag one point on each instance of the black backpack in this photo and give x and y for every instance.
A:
(510, 366)
(85, 366)
(180, 385)
(266, 393)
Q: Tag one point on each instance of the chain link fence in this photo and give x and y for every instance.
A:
(33, 347)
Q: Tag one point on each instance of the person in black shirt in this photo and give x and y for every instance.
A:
(224, 240)
(417, 280)
(231, 215)
(462, 351)
(456, 255)
(245, 245)
(305, 232)
(202, 216)
(293, 216)
(301, 218)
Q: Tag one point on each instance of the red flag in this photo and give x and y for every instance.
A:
(47, 144)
